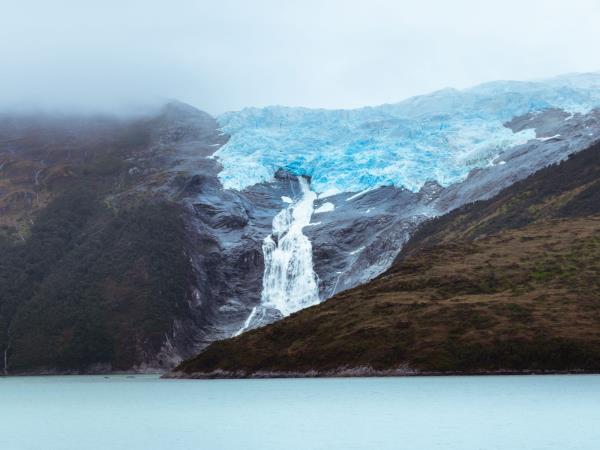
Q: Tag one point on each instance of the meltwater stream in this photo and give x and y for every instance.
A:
(289, 281)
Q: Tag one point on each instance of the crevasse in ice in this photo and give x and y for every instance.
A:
(441, 136)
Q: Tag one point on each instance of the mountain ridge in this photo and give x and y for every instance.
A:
(141, 300)
(505, 285)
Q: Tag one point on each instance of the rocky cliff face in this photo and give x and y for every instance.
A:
(223, 189)
(379, 172)
(505, 285)
(355, 236)
(94, 267)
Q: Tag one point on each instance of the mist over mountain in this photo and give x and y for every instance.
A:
(131, 243)
(223, 56)
(399, 198)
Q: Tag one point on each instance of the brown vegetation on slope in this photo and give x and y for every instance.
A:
(508, 284)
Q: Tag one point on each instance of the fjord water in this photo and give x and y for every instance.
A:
(146, 413)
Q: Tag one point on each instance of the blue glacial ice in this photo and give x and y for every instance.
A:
(440, 136)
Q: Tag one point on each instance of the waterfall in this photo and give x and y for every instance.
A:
(6, 350)
(289, 281)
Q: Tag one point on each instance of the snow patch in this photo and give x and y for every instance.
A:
(358, 250)
(325, 207)
(548, 138)
(361, 193)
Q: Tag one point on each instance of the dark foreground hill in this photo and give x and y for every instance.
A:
(94, 268)
(511, 284)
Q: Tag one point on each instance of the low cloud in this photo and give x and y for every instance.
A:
(219, 56)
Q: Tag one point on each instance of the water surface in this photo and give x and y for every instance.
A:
(450, 413)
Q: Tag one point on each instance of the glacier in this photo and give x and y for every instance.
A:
(437, 137)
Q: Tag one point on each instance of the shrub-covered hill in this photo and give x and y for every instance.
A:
(507, 284)
(93, 286)
(94, 270)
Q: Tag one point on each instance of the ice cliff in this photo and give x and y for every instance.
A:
(438, 137)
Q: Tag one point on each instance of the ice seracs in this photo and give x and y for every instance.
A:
(441, 136)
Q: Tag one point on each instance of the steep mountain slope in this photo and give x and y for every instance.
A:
(94, 266)
(506, 284)
(441, 136)
(143, 240)
(380, 171)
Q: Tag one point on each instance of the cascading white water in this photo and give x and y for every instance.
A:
(289, 281)
(6, 350)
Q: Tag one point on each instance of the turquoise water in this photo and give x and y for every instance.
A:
(80, 413)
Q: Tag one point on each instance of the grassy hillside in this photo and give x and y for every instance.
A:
(508, 284)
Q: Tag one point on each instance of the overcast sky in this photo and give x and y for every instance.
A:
(223, 55)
